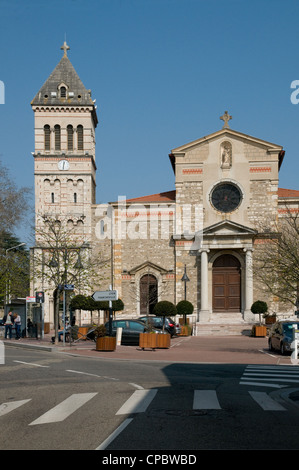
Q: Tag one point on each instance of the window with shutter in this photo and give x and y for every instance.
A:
(80, 137)
(57, 137)
(47, 136)
(70, 134)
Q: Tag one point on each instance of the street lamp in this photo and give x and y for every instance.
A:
(185, 279)
(8, 281)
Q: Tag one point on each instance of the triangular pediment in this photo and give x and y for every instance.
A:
(227, 133)
(228, 228)
(148, 265)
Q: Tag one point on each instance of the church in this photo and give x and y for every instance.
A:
(198, 242)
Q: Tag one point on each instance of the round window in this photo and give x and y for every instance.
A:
(226, 197)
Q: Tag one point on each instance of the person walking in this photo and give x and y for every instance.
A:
(8, 325)
(18, 326)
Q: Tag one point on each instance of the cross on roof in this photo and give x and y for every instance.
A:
(226, 117)
(65, 48)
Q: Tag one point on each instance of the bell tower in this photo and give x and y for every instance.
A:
(64, 155)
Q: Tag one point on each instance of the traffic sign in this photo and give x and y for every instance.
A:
(69, 287)
(100, 295)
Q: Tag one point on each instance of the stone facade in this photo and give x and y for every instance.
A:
(226, 193)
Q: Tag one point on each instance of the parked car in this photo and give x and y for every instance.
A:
(281, 336)
(131, 330)
(157, 322)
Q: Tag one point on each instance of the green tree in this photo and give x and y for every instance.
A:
(184, 308)
(164, 308)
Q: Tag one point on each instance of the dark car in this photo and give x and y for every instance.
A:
(281, 336)
(157, 322)
(131, 330)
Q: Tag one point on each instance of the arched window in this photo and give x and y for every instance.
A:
(52, 198)
(47, 137)
(57, 134)
(148, 294)
(80, 137)
(75, 198)
(70, 135)
(63, 92)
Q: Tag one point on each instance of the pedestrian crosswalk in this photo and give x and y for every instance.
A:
(270, 376)
(140, 400)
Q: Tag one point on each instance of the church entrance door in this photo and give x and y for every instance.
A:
(226, 284)
(148, 294)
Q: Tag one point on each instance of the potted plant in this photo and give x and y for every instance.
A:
(164, 308)
(270, 318)
(148, 340)
(184, 308)
(104, 342)
(259, 307)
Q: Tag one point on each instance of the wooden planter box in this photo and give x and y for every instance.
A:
(148, 340)
(185, 331)
(163, 341)
(270, 320)
(82, 331)
(106, 343)
(260, 331)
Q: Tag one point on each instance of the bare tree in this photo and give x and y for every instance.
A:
(277, 267)
(13, 202)
(62, 257)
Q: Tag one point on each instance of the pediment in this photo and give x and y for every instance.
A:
(229, 134)
(148, 265)
(229, 229)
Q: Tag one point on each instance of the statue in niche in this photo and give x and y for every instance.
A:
(226, 155)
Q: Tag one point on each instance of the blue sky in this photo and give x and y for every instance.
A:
(162, 72)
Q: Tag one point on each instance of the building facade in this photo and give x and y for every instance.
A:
(211, 226)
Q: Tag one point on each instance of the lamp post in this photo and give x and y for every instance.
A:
(185, 279)
(7, 296)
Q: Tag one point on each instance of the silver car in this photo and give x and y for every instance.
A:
(281, 336)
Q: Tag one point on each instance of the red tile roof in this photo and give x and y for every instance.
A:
(168, 196)
(288, 192)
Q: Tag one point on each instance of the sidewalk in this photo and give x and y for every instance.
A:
(191, 349)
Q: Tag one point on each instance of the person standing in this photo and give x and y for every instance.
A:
(8, 325)
(18, 326)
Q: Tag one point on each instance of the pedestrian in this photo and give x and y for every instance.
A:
(18, 326)
(8, 325)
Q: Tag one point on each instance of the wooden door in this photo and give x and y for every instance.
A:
(148, 294)
(226, 284)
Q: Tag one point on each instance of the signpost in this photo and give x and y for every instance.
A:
(105, 295)
(294, 357)
(66, 287)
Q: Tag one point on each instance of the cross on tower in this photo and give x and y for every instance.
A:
(65, 48)
(226, 117)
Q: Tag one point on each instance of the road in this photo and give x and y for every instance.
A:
(55, 401)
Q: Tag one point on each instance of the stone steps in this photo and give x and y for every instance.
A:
(222, 329)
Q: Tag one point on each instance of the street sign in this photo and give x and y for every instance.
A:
(100, 295)
(69, 287)
(39, 297)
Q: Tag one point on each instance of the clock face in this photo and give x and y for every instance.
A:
(63, 165)
(226, 197)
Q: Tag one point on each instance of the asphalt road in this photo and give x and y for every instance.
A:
(53, 401)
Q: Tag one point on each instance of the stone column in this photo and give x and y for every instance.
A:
(248, 315)
(204, 314)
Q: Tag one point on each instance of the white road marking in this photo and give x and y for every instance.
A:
(259, 384)
(10, 406)
(112, 436)
(138, 402)
(64, 409)
(30, 364)
(205, 400)
(266, 402)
